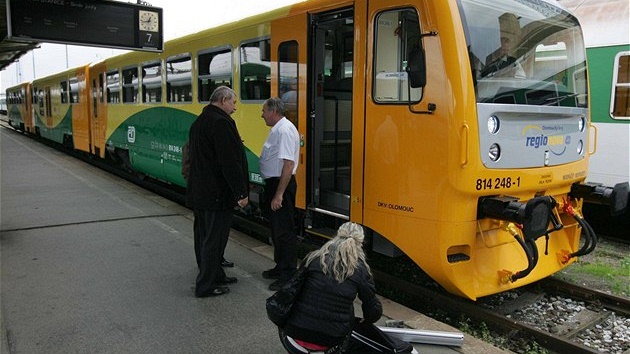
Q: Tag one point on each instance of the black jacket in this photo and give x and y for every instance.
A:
(324, 313)
(218, 175)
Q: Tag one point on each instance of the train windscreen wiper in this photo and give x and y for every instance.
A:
(555, 100)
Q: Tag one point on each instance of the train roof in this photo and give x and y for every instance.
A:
(604, 22)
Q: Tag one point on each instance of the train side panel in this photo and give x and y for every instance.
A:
(19, 103)
(61, 108)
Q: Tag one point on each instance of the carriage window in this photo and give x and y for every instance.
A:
(130, 85)
(74, 90)
(64, 92)
(255, 70)
(152, 82)
(179, 78)
(620, 105)
(113, 87)
(214, 70)
(397, 40)
(288, 77)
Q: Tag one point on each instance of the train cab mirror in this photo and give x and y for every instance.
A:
(596, 193)
(416, 68)
(534, 216)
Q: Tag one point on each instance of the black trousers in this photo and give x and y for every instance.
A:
(211, 231)
(282, 227)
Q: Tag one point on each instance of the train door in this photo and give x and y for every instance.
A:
(396, 140)
(289, 48)
(330, 112)
(98, 109)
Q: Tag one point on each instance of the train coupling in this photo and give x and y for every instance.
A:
(533, 216)
(596, 193)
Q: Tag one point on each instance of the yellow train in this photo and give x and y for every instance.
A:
(457, 132)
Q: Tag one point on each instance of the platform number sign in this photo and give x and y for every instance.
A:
(149, 23)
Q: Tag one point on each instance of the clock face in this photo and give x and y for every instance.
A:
(148, 21)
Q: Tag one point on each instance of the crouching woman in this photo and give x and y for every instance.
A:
(323, 316)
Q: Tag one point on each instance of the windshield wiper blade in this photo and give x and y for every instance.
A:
(554, 100)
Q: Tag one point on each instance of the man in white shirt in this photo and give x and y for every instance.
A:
(278, 163)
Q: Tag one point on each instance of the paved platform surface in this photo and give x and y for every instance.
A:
(93, 264)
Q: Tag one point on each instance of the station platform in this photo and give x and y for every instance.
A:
(93, 264)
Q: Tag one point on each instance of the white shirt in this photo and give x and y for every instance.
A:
(283, 143)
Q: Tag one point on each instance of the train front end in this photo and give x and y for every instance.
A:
(528, 67)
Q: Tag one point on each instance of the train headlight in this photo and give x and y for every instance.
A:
(580, 147)
(581, 124)
(494, 152)
(493, 124)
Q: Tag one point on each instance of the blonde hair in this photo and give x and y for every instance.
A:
(340, 256)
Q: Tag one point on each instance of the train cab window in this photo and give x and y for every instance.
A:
(64, 92)
(255, 70)
(179, 78)
(397, 42)
(130, 85)
(152, 82)
(288, 78)
(620, 105)
(74, 90)
(214, 69)
(113, 86)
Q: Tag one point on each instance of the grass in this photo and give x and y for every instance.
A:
(607, 268)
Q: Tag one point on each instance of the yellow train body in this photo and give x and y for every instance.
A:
(415, 155)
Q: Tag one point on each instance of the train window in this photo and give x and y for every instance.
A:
(152, 82)
(397, 39)
(74, 90)
(101, 95)
(64, 92)
(130, 85)
(113, 86)
(620, 105)
(255, 70)
(214, 69)
(179, 78)
(288, 78)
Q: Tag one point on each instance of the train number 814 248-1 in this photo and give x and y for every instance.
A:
(497, 183)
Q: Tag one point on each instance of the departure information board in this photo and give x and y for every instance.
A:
(101, 23)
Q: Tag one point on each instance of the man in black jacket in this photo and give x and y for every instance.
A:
(217, 182)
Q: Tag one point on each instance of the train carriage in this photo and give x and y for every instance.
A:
(451, 130)
(606, 29)
(18, 105)
(61, 111)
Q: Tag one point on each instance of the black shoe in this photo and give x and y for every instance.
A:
(277, 285)
(272, 273)
(219, 290)
(226, 263)
(227, 280)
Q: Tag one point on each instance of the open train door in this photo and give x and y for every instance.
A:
(330, 110)
(288, 51)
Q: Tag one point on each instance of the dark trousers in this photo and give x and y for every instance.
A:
(211, 231)
(282, 227)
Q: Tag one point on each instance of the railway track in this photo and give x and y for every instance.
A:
(503, 318)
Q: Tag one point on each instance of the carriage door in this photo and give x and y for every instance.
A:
(330, 112)
(98, 109)
(288, 43)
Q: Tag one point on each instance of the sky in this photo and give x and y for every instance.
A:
(181, 17)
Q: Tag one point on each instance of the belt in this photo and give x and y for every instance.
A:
(273, 179)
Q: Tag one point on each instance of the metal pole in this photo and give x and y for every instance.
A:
(451, 339)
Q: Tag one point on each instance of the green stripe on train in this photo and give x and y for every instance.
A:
(154, 138)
